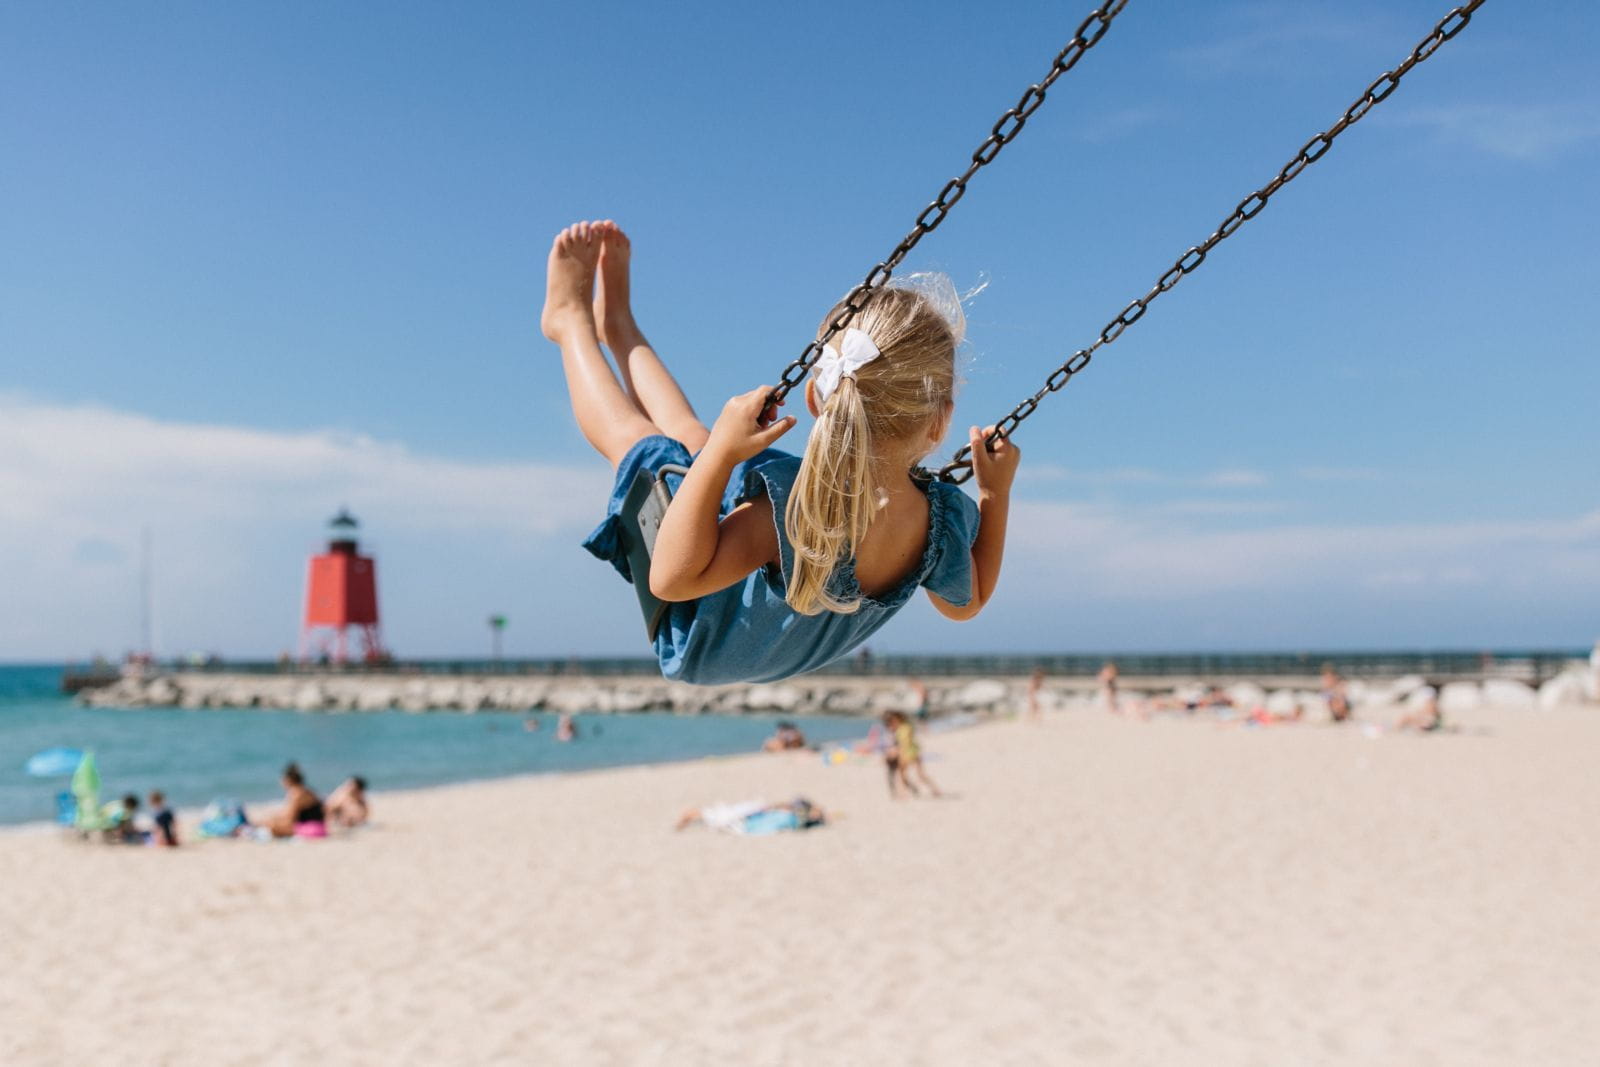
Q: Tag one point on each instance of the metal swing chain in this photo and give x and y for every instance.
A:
(959, 469)
(1005, 129)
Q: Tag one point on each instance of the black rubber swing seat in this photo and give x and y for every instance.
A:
(641, 514)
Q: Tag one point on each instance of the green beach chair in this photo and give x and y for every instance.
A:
(89, 819)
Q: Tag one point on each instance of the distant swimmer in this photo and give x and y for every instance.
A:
(785, 737)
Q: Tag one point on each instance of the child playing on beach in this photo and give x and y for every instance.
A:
(775, 564)
(905, 756)
(164, 823)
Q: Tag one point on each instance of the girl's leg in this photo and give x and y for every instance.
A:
(644, 376)
(606, 415)
(923, 774)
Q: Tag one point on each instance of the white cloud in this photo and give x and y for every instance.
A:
(1055, 472)
(1233, 478)
(235, 512)
(1270, 40)
(1338, 474)
(75, 466)
(1123, 122)
(1231, 505)
(1511, 131)
(1115, 554)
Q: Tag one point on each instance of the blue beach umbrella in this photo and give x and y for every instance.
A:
(53, 762)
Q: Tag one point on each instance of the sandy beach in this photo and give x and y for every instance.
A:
(1095, 891)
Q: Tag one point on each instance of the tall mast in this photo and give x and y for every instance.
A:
(147, 608)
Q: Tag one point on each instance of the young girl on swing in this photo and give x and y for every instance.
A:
(774, 564)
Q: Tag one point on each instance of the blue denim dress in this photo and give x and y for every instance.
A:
(748, 632)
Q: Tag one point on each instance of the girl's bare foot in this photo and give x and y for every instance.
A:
(613, 305)
(569, 288)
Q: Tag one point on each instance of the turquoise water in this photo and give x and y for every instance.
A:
(194, 756)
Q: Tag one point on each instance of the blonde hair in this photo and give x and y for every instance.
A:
(894, 397)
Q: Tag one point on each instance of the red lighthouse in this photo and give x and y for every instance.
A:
(341, 592)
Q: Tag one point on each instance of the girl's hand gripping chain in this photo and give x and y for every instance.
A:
(746, 426)
(994, 466)
(695, 553)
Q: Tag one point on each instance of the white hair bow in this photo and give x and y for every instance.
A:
(836, 364)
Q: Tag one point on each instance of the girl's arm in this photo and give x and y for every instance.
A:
(695, 554)
(994, 470)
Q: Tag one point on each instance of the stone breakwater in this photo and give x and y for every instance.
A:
(511, 693)
(800, 696)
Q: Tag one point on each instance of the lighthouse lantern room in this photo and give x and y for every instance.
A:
(341, 592)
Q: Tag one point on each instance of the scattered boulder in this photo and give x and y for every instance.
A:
(1564, 690)
(984, 693)
(1509, 693)
(1282, 702)
(771, 698)
(1404, 686)
(310, 697)
(376, 698)
(1460, 696)
(851, 701)
(1246, 695)
(631, 700)
(897, 698)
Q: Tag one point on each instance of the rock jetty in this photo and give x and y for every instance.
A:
(807, 695)
(510, 693)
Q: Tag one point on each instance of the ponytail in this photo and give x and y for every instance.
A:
(831, 504)
(883, 402)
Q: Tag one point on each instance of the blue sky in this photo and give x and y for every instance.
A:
(256, 262)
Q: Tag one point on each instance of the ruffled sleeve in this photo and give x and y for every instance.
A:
(952, 527)
(771, 474)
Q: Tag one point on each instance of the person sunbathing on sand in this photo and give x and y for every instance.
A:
(755, 817)
(1423, 713)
